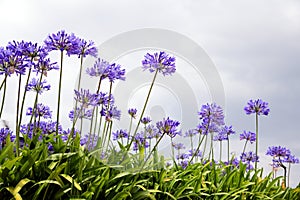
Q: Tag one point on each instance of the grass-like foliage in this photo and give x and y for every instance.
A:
(40, 159)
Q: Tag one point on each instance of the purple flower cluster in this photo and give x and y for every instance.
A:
(14, 58)
(248, 136)
(43, 127)
(86, 98)
(140, 142)
(145, 120)
(132, 112)
(168, 126)
(103, 70)
(249, 157)
(40, 111)
(224, 132)
(212, 118)
(4, 132)
(120, 134)
(152, 132)
(257, 106)
(190, 133)
(70, 43)
(281, 154)
(178, 146)
(80, 113)
(37, 86)
(161, 61)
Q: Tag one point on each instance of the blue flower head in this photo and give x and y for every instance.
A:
(257, 106)
(161, 61)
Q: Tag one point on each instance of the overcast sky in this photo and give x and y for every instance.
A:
(254, 44)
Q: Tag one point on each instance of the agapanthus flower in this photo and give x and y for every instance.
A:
(65, 134)
(140, 142)
(291, 159)
(178, 146)
(235, 162)
(4, 132)
(249, 157)
(45, 127)
(13, 60)
(63, 42)
(190, 133)
(212, 117)
(220, 137)
(132, 112)
(194, 151)
(44, 65)
(257, 106)
(145, 120)
(120, 134)
(152, 132)
(162, 62)
(278, 151)
(86, 98)
(116, 73)
(89, 143)
(33, 51)
(223, 133)
(183, 163)
(37, 86)
(227, 130)
(182, 156)
(100, 69)
(212, 113)
(85, 48)
(168, 126)
(40, 111)
(112, 113)
(248, 136)
(80, 113)
(103, 99)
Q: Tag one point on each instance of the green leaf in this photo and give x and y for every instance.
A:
(72, 181)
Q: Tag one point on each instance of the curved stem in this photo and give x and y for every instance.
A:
(144, 108)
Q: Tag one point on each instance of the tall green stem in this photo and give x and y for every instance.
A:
(23, 100)
(144, 108)
(17, 116)
(244, 149)
(220, 151)
(211, 151)
(198, 148)
(149, 155)
(3, 99)
(4, 81)
(59, 90)
(228, 150)
(256, 129)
